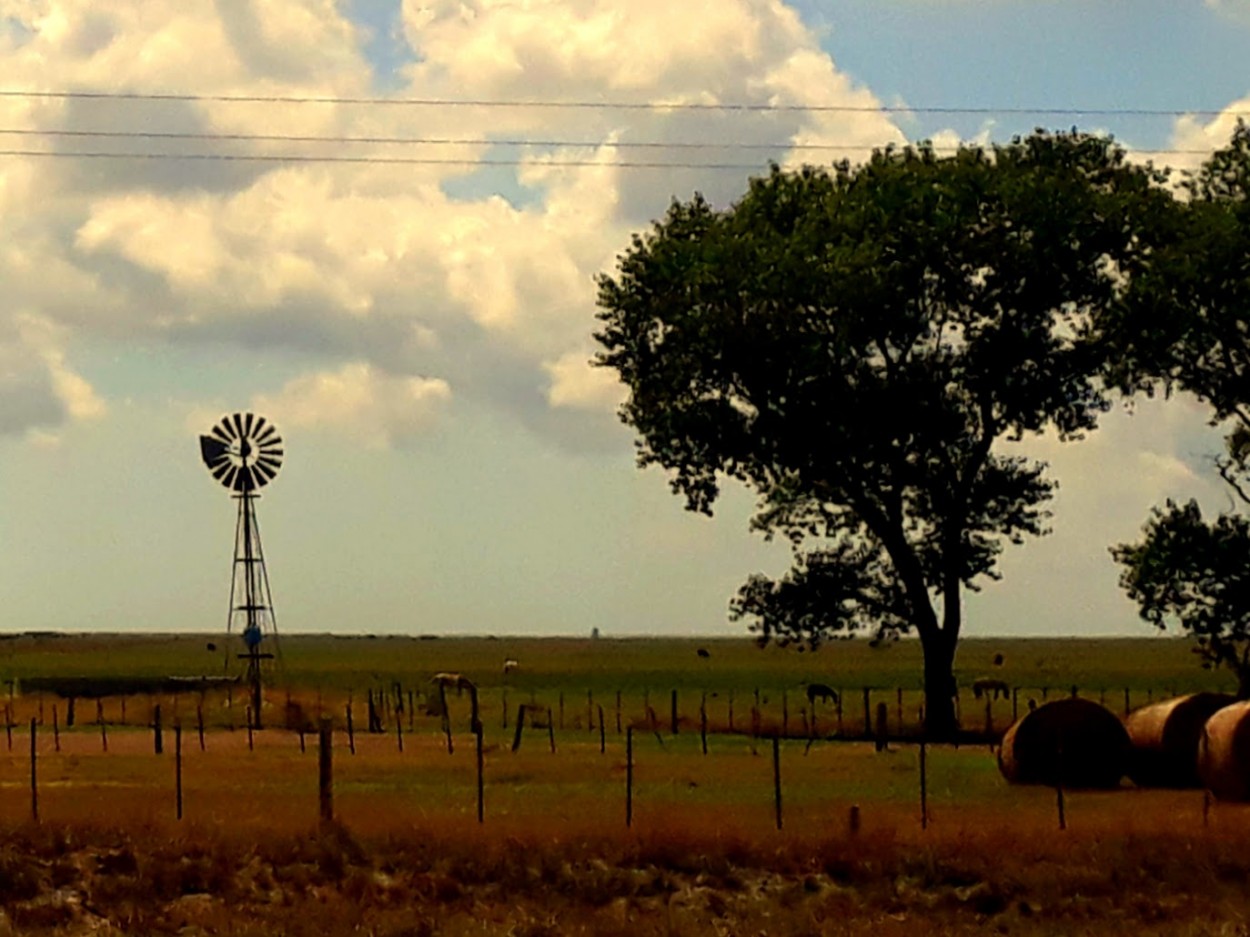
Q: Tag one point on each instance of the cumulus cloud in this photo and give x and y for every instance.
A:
(1196, 139)
(376, 265)
(575, 384)
(359, 402)
(38, 390)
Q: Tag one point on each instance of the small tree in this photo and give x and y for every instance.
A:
(1197, 575)
(852, 345)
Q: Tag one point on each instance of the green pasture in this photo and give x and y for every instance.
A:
(634, 665)
(737, 686)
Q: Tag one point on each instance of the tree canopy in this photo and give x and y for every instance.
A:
(1197, 573)
(852, 343)
(1185, 324)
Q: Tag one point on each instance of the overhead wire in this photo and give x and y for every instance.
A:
(467, 141)
(675, 146)
(1048, 111)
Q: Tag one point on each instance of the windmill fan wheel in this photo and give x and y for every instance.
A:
(243, 452)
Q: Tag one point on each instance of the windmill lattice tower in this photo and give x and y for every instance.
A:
(244, 453)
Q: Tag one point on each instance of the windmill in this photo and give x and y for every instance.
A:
(244, 453)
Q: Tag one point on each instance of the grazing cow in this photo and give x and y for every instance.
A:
(987, 685)
(452, 681)
(820, 691)
(998, 660)
(510, 664)
(703, 652)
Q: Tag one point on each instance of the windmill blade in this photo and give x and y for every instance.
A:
(222, 432)
(265, 472)
(212, 450)
(238, 424)
(271, 462)
(268, 435)
(247, 421)
(260, 427)
(230, 475)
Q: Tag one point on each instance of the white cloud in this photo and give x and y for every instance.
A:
(359, 402)
(39, 391)
(577, 385)
(376, 265)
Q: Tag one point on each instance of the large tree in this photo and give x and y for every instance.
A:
(1185, 324)
(852, 343)
(1195, 573)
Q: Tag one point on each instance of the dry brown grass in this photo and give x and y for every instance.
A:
(685, 879)
(555, 858)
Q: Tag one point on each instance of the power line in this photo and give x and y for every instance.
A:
(450, 161)
(432, 141)
(474, 141)
(619, 105)
(378, 160)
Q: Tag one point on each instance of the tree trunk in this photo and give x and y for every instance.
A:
(939, 686)
(1243, 683)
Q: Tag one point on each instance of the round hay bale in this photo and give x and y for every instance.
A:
(1224, 753)
(1073, 742)
(1164, 738)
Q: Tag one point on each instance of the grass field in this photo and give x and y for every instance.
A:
(554, 855)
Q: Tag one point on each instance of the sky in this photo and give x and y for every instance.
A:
(407, 289)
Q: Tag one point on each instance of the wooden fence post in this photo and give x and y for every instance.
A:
(520, 724)
(250, 721)
(178, 769)
(551, 731)
(629, 772)
(603, 741)
(158, 737)
(199, 724)
(34, 780)
(673, 719)
(56, 731)
(481, 787)
(325, 772)
(777, 777)
(399, 733)
(703, 721)
(442, 701)
(924, 786)
(883, 728)
(351, 731)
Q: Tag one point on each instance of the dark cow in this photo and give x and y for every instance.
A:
(986, 686)
(703, 652)
(819, 691)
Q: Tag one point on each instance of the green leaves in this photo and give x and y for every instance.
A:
(1195, 574)
(852, 343)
